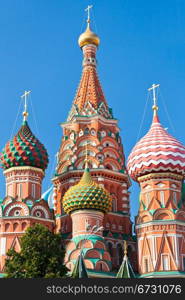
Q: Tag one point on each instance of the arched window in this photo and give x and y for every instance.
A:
(110, 248)
(119, 254)
(114, 204)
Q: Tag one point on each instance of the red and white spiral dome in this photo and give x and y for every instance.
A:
(157, 151)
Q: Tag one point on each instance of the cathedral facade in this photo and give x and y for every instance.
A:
(89, 202)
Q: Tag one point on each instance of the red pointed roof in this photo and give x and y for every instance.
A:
(157, 151)
(89, 99)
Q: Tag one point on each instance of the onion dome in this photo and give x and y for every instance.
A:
(157, 151)
(86, 195)
(88, 37)
(24, 150)
(48, 197)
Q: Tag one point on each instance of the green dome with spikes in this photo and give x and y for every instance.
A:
(87, 194)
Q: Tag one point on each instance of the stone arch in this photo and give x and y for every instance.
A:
(114, 202)
(102, 266)
(23, 226)
(85, 244)
(110, 246)
(9, 210)
(106, 256)
(109, 142)
(99, 245)
(112, 152)
(82, 149)
(64, 167)
(163, 214)
(66, 146)
(92, 253)
(43, 211)
(180, 215)
(79, 164)
(7, 226)
(66, 154)
(90, 140)
(88, 264)
(144, 217)
(112, 164)
(15, 226)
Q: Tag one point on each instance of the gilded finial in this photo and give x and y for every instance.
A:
(125, 247)
(154, 107)
(25, 112)
(88, 37)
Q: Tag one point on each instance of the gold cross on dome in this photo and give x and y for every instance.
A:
(153, 88)
(25, 112)
(88, 12)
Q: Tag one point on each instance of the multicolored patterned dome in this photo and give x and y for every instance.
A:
(157, 151)
(87, 195)
(24, 150)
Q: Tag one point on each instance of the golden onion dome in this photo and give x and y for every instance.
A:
(88, 37)
(87, 194)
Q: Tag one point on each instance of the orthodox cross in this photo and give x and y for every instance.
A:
(25, 112)
(153, 87)
(88, 12)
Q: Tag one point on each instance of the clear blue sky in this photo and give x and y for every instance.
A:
(142, 42)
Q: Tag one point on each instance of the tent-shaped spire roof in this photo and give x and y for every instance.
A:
(125, 270)
(89, 99)
(79, 270)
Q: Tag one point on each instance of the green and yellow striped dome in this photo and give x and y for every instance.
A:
(87, 194)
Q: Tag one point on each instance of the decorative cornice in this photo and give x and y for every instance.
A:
(107, 174)
(160, 176)
(22, 168)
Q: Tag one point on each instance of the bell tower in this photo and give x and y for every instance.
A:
(92, 125)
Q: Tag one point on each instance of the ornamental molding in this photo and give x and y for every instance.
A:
(22, 168)
(18, 205)
(158, 223)
(39, 207)
(160, 176)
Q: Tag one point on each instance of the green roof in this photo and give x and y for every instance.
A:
(125, 270)
(79, 270)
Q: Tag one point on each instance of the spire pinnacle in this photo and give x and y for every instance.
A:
(154, 107)
(125, 247)
(88, 14)
(25, 112)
